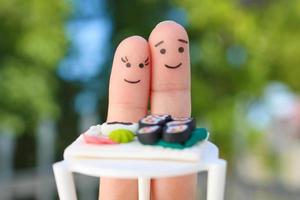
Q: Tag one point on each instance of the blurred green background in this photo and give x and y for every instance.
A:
(55, 60)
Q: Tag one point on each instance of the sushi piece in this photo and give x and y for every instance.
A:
(108, 127)
(149, 134)
(176, 133)
(191, 122)
(151, 120)
(102, 139)
(94, 130)
(93, 136)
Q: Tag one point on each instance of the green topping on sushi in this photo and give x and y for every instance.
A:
(121, 136)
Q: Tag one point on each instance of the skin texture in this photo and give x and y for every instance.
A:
(128, 100)
(170, 94)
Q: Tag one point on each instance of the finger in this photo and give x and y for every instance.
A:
(170, 94)
(175, 188)
(129, 81)
(170, 88)
(116, 189)
(128, 101)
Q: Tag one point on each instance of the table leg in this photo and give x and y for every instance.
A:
(64, 181)
(144, 188)
(216, 180)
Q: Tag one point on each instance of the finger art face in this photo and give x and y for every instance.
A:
(170, 72)
(170, 55)
(163, 51)
(130, 80)
(129, 65)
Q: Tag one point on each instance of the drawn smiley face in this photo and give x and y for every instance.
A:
(128, 64)
(163, 51)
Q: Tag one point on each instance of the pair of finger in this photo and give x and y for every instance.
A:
(159, 69)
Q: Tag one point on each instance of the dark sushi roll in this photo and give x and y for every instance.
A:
(176, 133)
(151, 120)
(149, 134)
(191, 122)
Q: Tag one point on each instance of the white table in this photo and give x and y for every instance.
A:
(143, 170)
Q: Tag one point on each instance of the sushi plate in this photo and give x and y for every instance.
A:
(79, 149)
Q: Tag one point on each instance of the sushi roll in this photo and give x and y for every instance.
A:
(191, 122)
(108, 127)
(149, 134)
(177, 133)
(151, 120)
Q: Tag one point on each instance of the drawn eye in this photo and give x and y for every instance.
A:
(141, 65)
(125, 60)
(163, 51)
(180, 49)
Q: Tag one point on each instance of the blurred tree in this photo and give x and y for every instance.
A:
(136, 18)
(32, 42)
(237, 47)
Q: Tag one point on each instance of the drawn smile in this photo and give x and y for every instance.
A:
(173, 67)
(132, 82)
